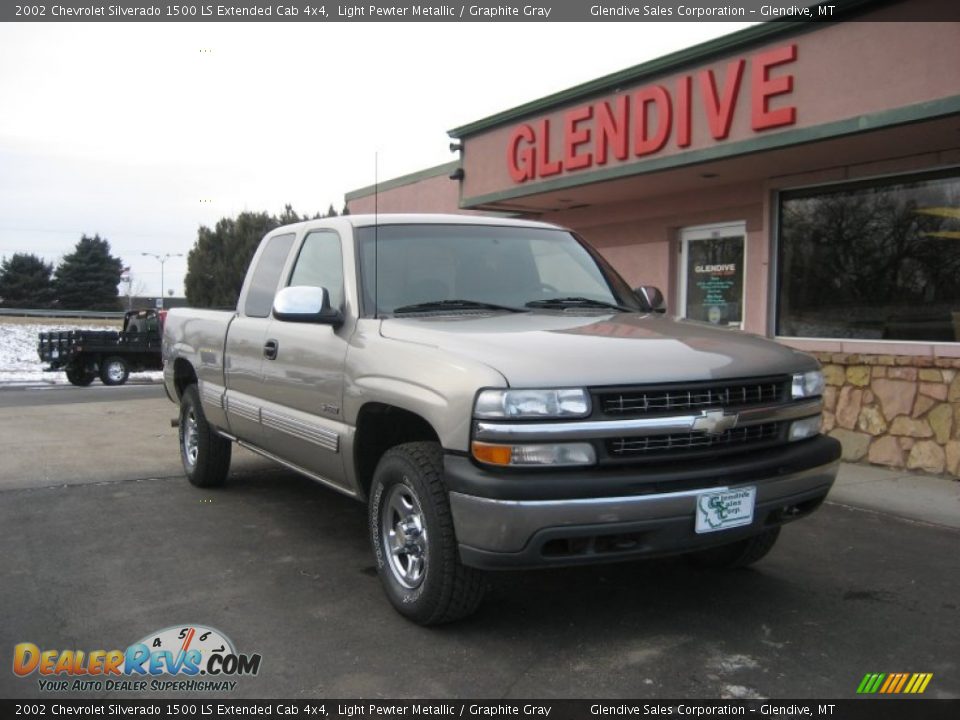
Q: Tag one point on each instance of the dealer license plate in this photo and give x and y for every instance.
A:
(725, 509)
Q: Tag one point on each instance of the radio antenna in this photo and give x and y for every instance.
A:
(376, 237)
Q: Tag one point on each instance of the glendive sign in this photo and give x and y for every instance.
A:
(643, 122)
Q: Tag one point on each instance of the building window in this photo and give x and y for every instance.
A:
(872, 261)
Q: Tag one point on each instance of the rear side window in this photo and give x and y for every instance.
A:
(320, 264)
(266, 276)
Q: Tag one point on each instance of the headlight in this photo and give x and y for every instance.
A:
(499, 404)
(557, 455)
(803, 429)
(808, 384)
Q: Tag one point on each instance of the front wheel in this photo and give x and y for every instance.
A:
(738, 554)
(411, 529)
(114, 371)
(204, 453)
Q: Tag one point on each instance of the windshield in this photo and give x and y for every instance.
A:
(480, 265)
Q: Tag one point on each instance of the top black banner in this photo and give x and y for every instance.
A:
(440, 11)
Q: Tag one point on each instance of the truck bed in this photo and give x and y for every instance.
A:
(198, 336)
(59, 348)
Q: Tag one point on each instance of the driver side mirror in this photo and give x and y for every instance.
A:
(653, 297)
(306, 304)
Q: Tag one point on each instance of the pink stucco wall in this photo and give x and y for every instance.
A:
(641, 240)
(438, 194)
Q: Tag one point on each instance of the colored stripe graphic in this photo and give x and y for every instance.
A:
(894, 683)
(892, 679)
(874, 683)
(870, 683)
(903, 680)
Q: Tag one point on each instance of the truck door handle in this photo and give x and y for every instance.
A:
(270, 349)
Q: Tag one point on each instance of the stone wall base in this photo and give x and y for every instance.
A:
(894, 410)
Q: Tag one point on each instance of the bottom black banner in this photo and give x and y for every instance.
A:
(865, 709)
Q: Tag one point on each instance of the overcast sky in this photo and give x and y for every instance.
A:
(142, 132)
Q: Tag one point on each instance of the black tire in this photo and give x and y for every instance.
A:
(114, 370)
(410, 476)
(205, 454)
(739, 554)
(79, 376)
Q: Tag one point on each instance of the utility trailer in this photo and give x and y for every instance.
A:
(110, 355)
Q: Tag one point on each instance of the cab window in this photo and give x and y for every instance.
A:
(320, 264)
(266, 276)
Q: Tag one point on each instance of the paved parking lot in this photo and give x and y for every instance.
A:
(103, 547)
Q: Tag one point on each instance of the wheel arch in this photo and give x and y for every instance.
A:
(184, 375)
(381, 426)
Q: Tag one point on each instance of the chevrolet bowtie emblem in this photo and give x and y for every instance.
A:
(714, 422)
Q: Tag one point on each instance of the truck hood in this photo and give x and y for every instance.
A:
(543, 349)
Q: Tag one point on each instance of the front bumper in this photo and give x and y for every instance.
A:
(505, 532)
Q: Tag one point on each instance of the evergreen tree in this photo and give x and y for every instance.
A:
(289, 216)
(217, 264)
(25, 282)
(87, 279)
(331, 211)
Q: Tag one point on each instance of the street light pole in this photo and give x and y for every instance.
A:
(163, 261)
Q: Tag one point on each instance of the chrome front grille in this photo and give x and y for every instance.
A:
(649, 445)
(639, 401)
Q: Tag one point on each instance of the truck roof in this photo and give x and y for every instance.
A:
(416, 219)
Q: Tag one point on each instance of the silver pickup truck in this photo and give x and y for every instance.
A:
(500, 398)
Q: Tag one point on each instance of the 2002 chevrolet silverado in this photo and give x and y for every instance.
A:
(500, 398)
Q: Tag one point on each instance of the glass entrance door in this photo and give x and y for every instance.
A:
(712, 272)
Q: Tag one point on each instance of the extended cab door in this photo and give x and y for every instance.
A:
(303, 420)
(246, 339)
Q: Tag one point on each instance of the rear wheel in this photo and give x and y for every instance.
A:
(738, 554)
(205, 455)
(114, 371)
(79, 376)
(413, 540)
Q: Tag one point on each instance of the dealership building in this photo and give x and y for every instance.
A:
(795, 180)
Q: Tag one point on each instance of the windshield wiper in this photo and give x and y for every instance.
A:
(434, 305)
(572, 302)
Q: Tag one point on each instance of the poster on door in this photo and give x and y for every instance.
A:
(715, 280)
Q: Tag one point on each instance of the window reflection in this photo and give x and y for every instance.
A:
(878, 261)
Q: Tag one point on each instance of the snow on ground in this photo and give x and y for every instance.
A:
(20, 364)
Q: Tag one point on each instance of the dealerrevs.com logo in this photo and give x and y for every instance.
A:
(179, 658)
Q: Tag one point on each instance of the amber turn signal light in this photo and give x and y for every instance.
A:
(492, 454)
